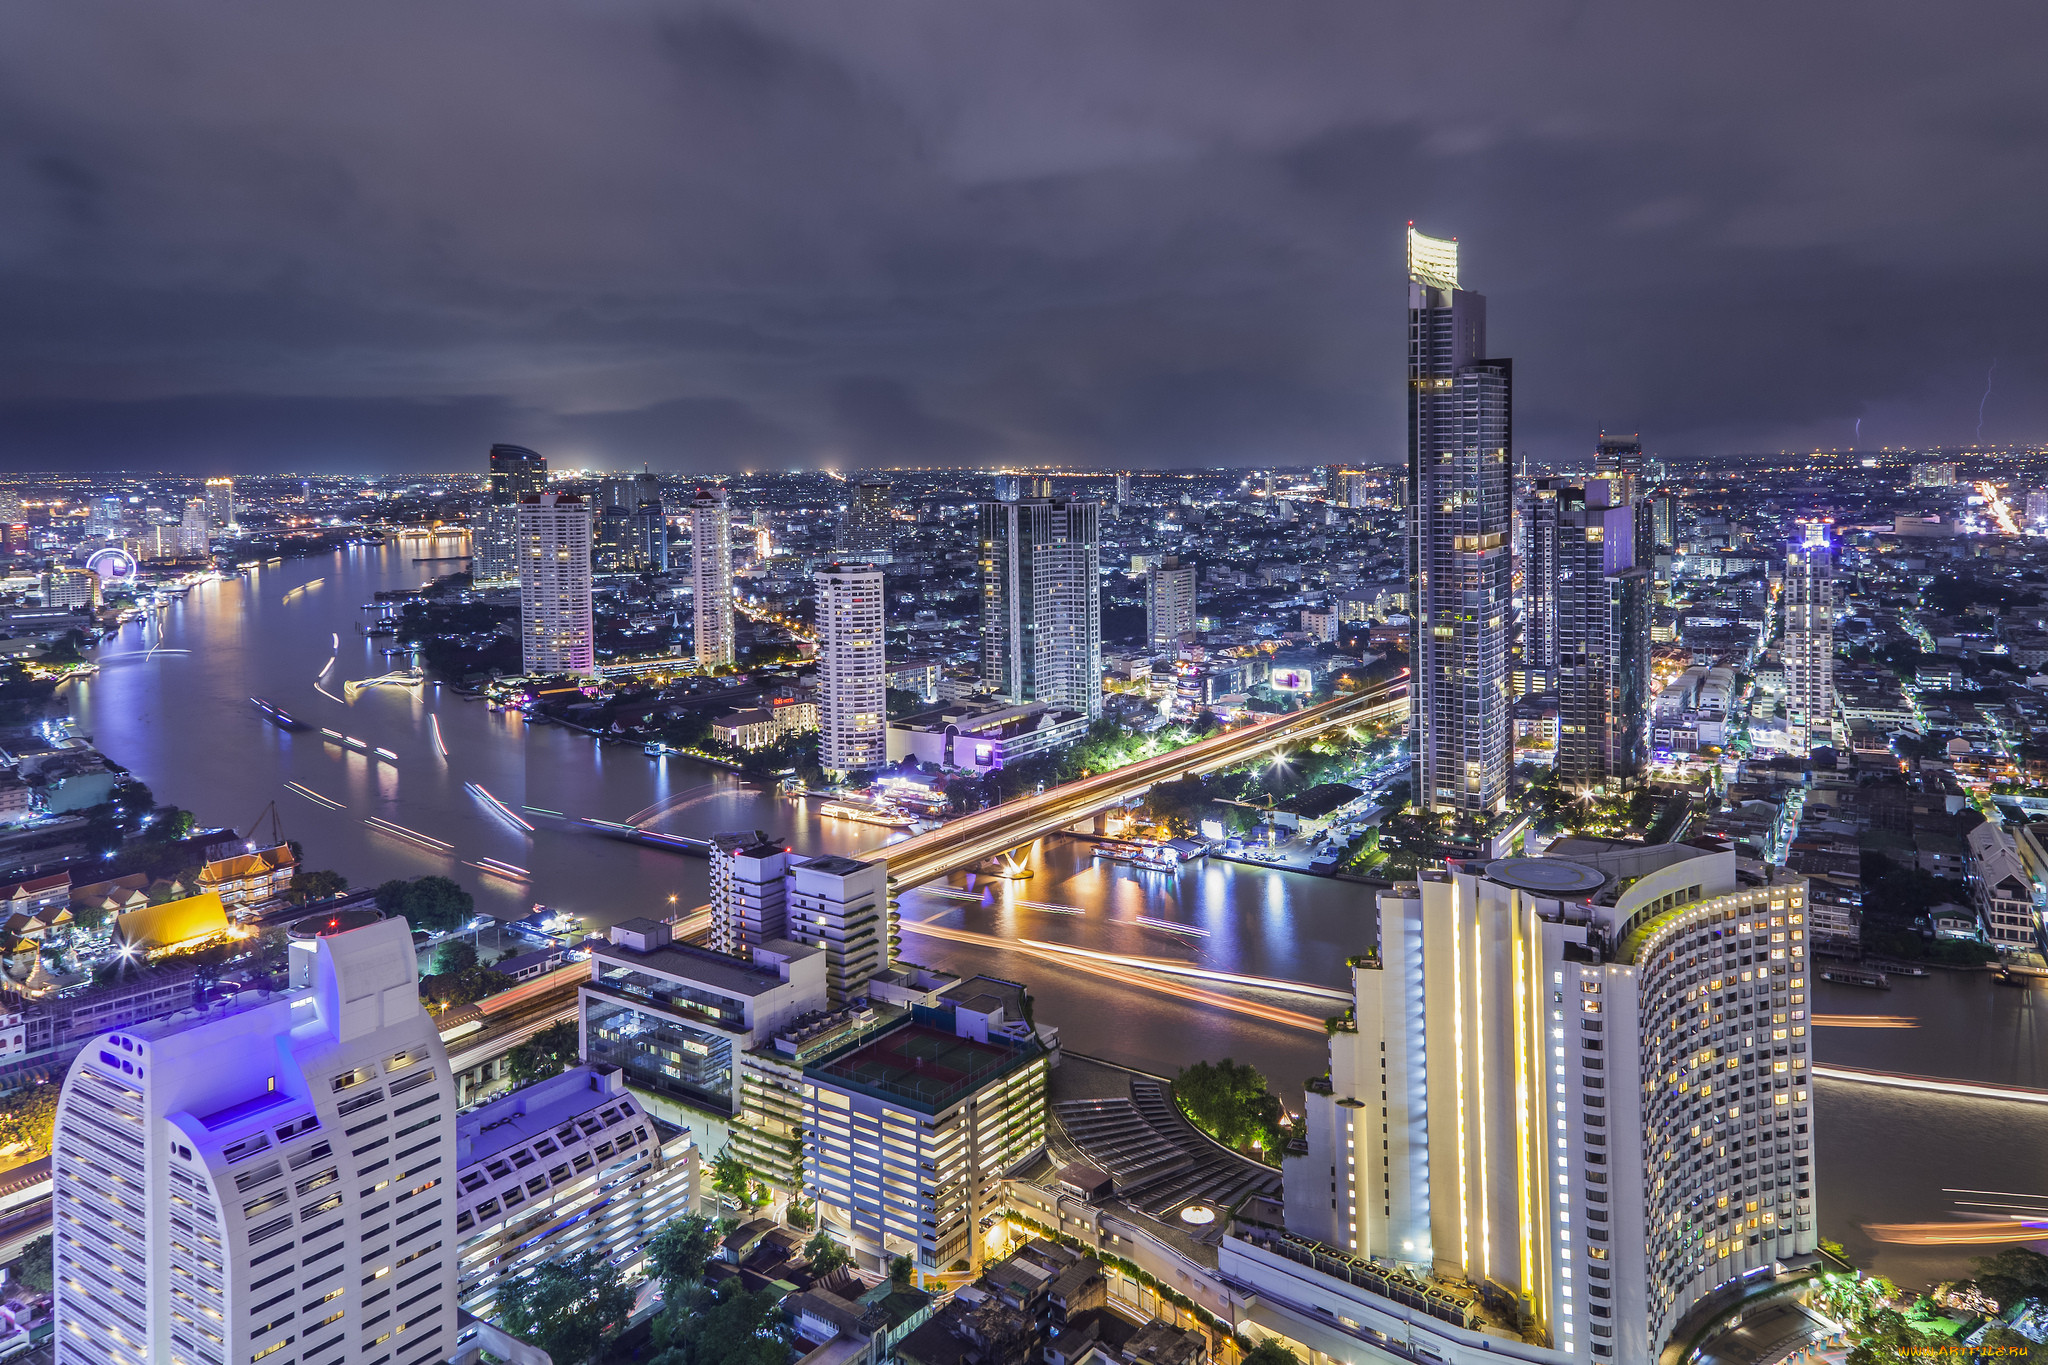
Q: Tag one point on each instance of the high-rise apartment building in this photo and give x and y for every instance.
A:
(865, 528)
(1123, 489)
(1459, 566)
(107, 519)
(840, 906)
(1589, 625)
(1664, 521)
(853, 675)
(711, 563)
(265, 1179)
(555, 627)
(220, 503)
(1619, 461)
(1169, 602)
(1041, 605)
(1584, 1079)
(71, 588)
(516, 474)
(195, 531)
(1809, 650)
(747, 894)
(1934, 474)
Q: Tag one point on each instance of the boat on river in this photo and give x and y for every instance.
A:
(277, 715)
(866, 815)
(1855, 976)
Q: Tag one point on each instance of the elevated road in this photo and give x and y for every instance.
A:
(968, 840)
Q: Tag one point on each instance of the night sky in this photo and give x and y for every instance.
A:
(377, 237)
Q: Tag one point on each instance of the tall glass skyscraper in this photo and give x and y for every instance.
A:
(1460, 504)
(1810, 637)
(1041, 603)
(1589, 624)
(711, 564)
(516, 473)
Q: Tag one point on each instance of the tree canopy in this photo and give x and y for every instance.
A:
(548, 1053)
(570, 1308)
(435, 904)
(1229, 1101)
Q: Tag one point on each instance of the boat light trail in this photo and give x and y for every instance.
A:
(1865, 1021)
(325, 693)
(1171, 926)
(497, 869)
(543, 810)
(495, 804)
(1269, 1013)
(411, 836)
(325, 669)
(303, 790)
(1934, 1085)
(434, 724)
(1958, 1234)
(1155, 964)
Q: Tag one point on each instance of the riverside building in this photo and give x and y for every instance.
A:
(711, 570)
(557, 634)
(1459, 559)
(266, 1179)
(1041, 626)
(1575, 1088)
(516, 474)
(747, 896)
(853, 674)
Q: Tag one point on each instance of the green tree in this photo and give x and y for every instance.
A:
(1269, 1351)
(28, 1117)
(548, 1053)
(825, 1254)
(37, 1268)
(435, 904)
(1230, 1102)
(316, 886)
(729, 1176)
(2013, 1274)
(733, 1328)
(902, 1272)
(454, 957)
(678, 1253)
(570, 1309)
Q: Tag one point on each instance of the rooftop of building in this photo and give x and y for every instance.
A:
(704, 967)
(835, 865)
(534, 1110)
(919, 1066)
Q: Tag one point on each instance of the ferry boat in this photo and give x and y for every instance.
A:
(866, 815)
(1856, 976)
(1131, 853)
(282, 718)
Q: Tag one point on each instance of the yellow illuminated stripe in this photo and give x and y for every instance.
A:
(1479, 1088)
(1458, 1058)
(1524, 1213)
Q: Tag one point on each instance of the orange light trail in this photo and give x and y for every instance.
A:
(1956, 1234)
(1866, 1021)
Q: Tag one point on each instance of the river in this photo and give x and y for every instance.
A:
(180, 718)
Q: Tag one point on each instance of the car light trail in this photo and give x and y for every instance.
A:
(2001, 511)
(495, 804)
(1865, 1021)
(303, 790)
(1933, 1085)
(412, 836)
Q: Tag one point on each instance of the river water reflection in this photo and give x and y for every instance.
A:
(182, 721)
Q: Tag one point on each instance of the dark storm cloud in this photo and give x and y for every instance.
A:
(702, 236)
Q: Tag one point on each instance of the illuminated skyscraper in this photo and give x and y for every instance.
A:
(711, 560)
(1589, 625)
(1810, 637)
(1582, 1080)
(556, 630)
(195, 531)
(853, 676)
(865, 531)
(1460, 516)
(1041, 604)
(220, 503)
(515, 473)
(1169, 602)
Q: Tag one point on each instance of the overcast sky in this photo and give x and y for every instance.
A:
(371, 236)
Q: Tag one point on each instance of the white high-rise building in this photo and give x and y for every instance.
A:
(1169, 602)
(841, 906)
(195, 532)
(1584, 1079)
(853, 675)
(1041, 602)
(220, 503)
(1810, 638)
(747, 896)
(711, 561)
(268, 1179)
(555, 627)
